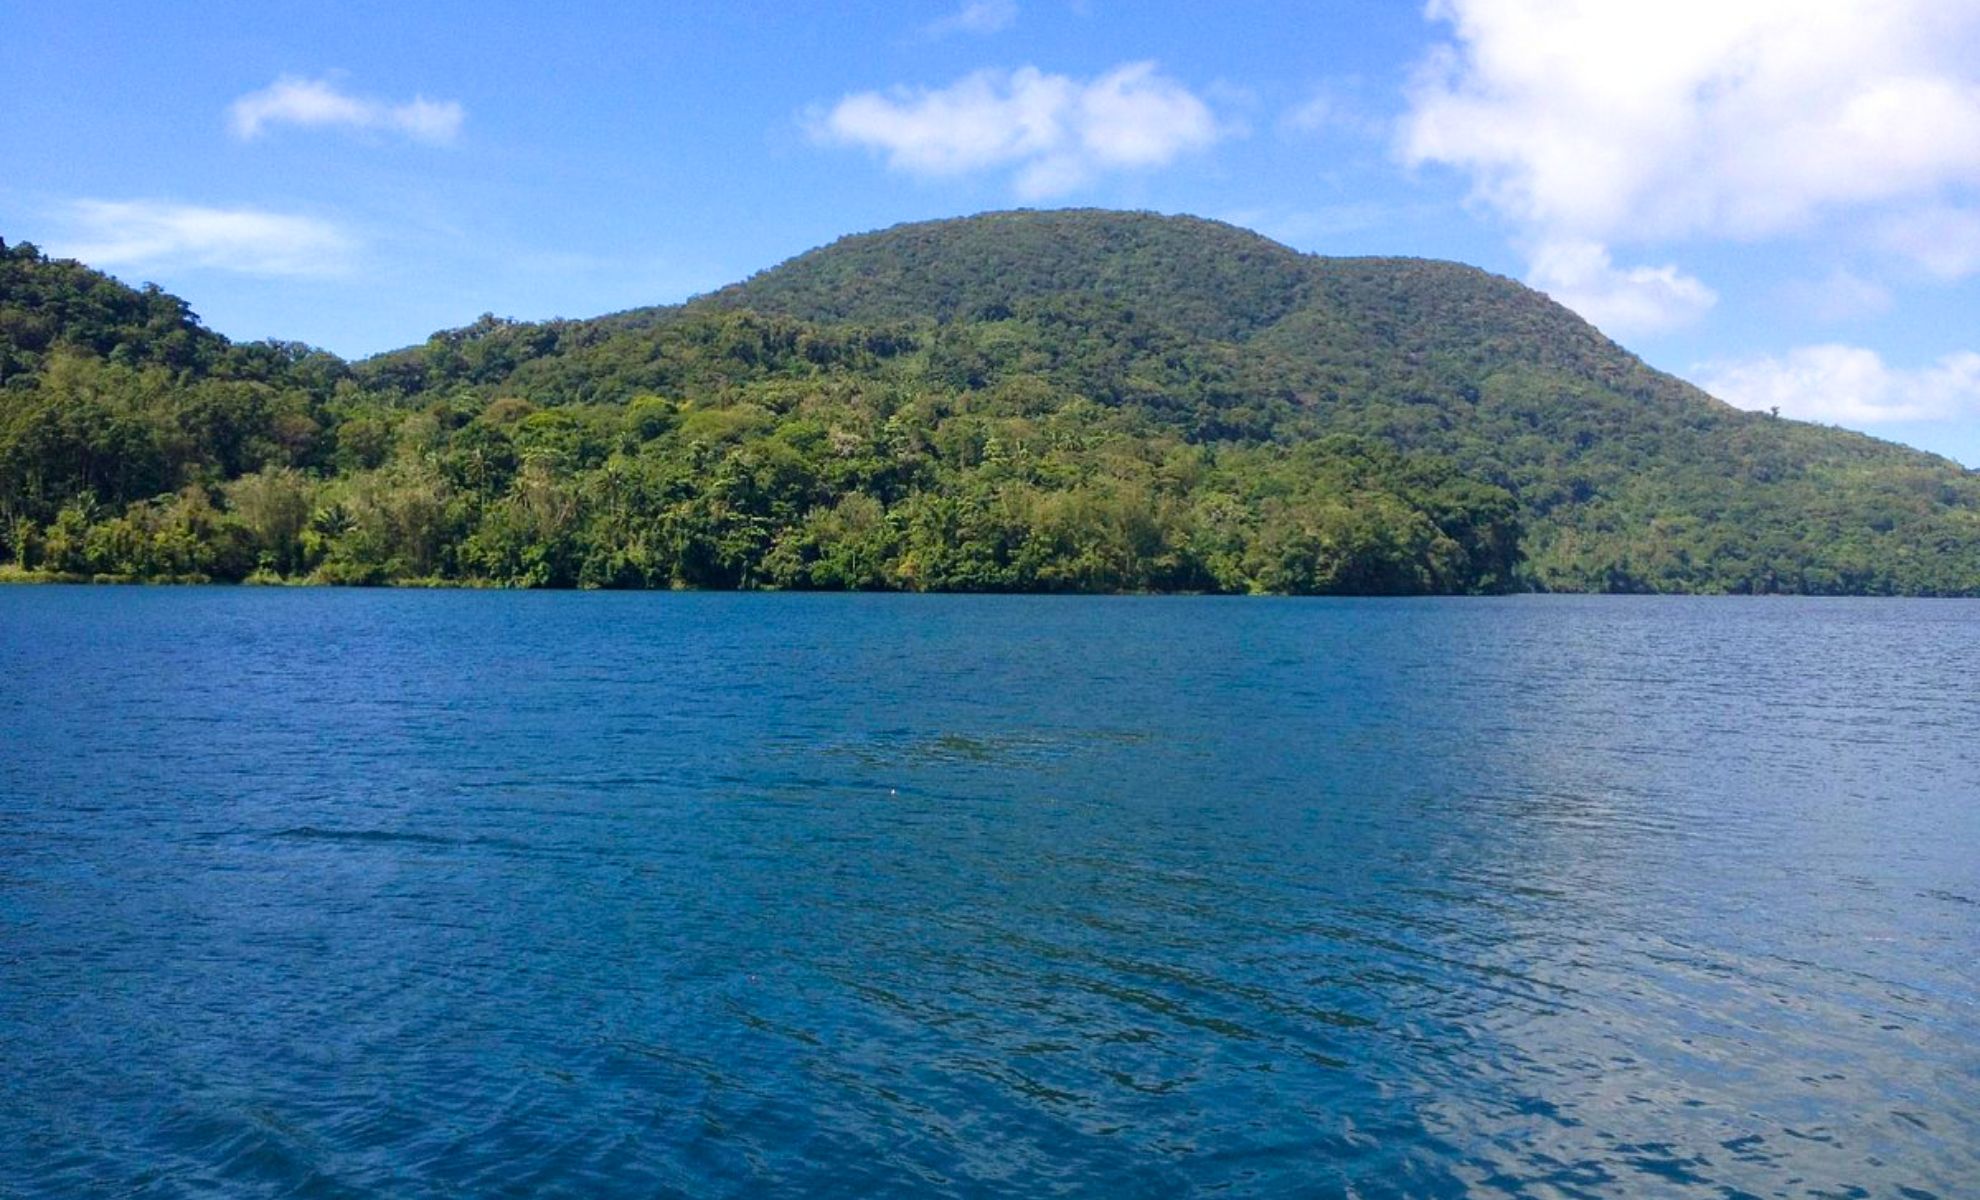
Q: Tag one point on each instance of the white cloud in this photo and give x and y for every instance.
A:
(1849, 385)
(1056, 132)
(154, 234)
(1610, 117)
(1619, 300)
(1313, 116)
(1944, 241)
(1330, 110)
(976, 16)
(1626, 122)
(1840, 296)
(317, 102)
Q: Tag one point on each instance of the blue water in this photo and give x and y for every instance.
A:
(416, 894)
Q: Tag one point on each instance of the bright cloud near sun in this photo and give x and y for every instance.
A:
(1055, 133)
(1620, 123)
(154, 235)
(1850, 385)
(318, 103)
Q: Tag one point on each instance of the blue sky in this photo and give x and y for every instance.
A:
(1778, 199)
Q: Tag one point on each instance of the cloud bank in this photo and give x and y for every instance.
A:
(1055, 133)
(1620, 122)
(158, 235)
(317, 103)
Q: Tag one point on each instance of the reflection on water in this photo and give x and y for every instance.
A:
(444, 894)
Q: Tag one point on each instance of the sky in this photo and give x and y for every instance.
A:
(1776, 199)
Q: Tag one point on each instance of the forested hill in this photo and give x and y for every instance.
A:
(1628, 479)
(1210, 280)
(1059, 401)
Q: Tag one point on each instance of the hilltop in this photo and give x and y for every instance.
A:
(1078, 400)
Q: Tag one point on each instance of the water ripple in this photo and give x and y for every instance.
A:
(355, 894)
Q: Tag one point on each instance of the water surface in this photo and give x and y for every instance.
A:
(417, 894)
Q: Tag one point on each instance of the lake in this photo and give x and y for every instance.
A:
(338, 893)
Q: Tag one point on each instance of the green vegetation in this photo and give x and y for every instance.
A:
(1075, 401)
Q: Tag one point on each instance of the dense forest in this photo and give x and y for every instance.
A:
(1069, 401)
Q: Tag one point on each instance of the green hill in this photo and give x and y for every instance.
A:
(1213, 280)
(1076, 400)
